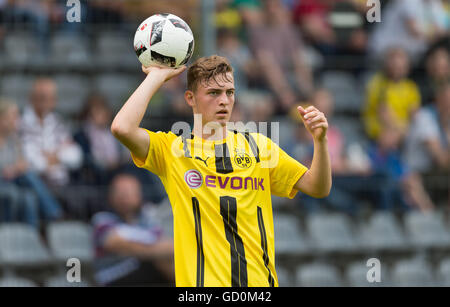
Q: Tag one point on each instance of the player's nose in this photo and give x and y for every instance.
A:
(223, 99)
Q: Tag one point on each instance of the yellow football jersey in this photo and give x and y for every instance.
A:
(220, 192)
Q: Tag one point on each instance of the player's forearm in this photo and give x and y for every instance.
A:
(320, 170)
(130, 116)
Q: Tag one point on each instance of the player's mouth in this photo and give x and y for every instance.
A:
(222, 113)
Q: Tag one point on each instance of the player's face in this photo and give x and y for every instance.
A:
(214, 100)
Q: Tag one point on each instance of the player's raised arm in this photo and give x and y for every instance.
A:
(125, 126)
(316, 182)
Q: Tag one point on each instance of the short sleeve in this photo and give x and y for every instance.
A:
(284, 171)
(103, 225)
(426, 125)
(158, 153)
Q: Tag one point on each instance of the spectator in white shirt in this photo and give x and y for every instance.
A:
(48, 145)
(410, 24)
(427, 144)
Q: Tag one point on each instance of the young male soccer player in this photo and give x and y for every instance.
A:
(220, 184)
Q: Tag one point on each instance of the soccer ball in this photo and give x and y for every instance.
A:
(164, 40)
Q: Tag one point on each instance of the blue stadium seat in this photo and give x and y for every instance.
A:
(115, 51)
(343, 87)
(16, 87)
(20, 50)
(318, 275)
(72, 91)
(21, 246)
(284, 277)
(383, 233)
(69, 51)
(427, 230)
(331, 233)
(61, 281)
(16, 282)
(444, 273)
(289, 240)
(412, 273)
(71, 240)
(351, 129)
(356, 275)
(117, 88)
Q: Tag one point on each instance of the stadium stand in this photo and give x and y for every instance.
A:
(413, 246)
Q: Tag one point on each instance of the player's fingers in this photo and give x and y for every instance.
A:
(321, 124)
(318, 117)
(311, 114)
(310, 109)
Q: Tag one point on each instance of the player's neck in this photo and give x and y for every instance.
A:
(215, 135)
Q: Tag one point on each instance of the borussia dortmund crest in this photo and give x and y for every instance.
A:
(242, 159)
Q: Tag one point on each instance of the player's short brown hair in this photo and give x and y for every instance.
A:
(206, 68)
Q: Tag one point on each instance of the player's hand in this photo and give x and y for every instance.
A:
(166, 73)
(314, 121)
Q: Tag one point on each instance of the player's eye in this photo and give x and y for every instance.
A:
(230, 93)
(213, 93)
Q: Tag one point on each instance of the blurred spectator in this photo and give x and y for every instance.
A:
(227, 17)
(427, 145)
(238, 54)
(280, 55)
(256, 106)
(378, 175)
(343, 160)
(104, 12)
(101, 151)
(437, 67)
(400, 186)
(349, 25)
(131, 250)
(48, 145)
(410, 24)
(350, 165)
(391, 98)
(13, 199)
(249, 10)
(16, 180)
(312, 18)
(35, 16)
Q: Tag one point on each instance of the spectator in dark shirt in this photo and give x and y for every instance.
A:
(102, 153)
(437, 73)
(130, 247)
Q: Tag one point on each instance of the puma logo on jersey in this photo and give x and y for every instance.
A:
(204, 161)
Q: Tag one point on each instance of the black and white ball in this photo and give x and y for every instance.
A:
(164, 40)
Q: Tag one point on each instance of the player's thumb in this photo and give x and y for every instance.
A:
(301, 111)
(180, 69)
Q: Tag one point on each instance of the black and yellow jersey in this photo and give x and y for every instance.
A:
(220, 193)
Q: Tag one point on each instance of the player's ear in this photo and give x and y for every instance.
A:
(189, 97)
